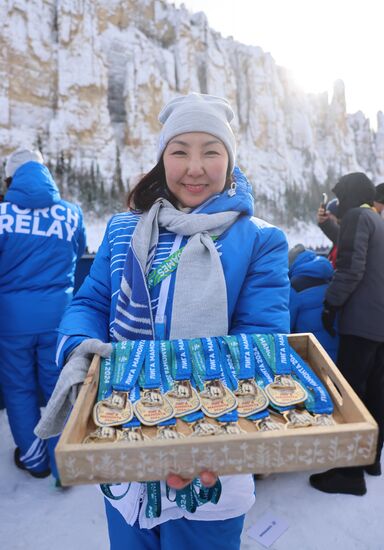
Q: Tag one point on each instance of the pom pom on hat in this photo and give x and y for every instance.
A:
(20, 157)
(198, 113)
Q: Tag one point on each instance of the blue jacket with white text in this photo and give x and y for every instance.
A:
(41, 239)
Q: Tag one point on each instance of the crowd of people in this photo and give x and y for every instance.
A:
(235, 275)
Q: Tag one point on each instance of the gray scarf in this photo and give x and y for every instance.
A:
(200, 297)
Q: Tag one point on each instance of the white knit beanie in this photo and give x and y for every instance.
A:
(20, 157)
(198, 113)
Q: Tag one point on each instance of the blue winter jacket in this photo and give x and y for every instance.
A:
(310, 276)
(41, 239)
(255, 265)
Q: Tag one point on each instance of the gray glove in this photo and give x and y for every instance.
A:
(68, 386)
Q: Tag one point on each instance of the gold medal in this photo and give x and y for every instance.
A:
(284, 391)
(324, 420)
(114, 411)
(232, 428)
(250, 398)
(183, 398)
(105, 434)
(298, 419)
(132, 435)
(204, 427)
(267, 424)
(153, 407)
(168, 432)
(216, 399)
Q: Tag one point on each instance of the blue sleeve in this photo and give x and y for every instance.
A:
(263, 304)
(65, 345)
(88, 315)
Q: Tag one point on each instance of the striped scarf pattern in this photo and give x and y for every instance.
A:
(133, 319)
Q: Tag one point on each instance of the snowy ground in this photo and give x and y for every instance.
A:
(36, 515)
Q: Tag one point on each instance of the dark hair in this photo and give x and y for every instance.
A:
(153, 186)
(8, 181)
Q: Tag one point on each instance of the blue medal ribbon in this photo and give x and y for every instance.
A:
(319, 400)
(247, 358)
(211, 351)
(130, 372)
(182, 359)
(283, 365)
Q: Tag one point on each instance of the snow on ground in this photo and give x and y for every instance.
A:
(36, 515)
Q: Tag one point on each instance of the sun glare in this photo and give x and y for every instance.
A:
(318, 42)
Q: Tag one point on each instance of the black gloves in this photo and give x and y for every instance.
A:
(328, 316)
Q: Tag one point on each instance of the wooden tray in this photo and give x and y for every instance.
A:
(352, 441)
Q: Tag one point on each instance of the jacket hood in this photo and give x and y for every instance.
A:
(32, 187)
(241, 201)
(309, 264)
(353, 190)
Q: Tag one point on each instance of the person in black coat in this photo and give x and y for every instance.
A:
(356, 292)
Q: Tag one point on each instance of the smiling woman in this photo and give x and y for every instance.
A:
(188, 260)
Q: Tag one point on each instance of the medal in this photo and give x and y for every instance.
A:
(153, 408)
(267, 424)
(251, 398)
(133, 434)
(298, 419)
(204, 427)
(232, 428)
(105, 434)
(216, 399)
(117, 408)
(113, 411)
(324, 420)
(168, 432)
(284, 391)
(183, 397)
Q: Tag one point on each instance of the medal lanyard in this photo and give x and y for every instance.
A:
(127, 373)
(211, 352)
(268, 362)
(262, 371)
(213, 371)
(319, 400)
(282, 365)
(183, 360)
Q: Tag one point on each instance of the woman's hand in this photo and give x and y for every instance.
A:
(208, 479)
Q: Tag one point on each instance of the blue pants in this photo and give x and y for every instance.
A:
(27, 364)
(178, 534)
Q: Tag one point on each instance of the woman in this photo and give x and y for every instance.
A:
(230, 277)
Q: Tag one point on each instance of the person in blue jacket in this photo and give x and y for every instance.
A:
(310, 275)
(41, 239)
(141, 287)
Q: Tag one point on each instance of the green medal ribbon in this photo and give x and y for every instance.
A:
(153, 508)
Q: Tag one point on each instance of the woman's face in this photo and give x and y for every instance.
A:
(195, 167)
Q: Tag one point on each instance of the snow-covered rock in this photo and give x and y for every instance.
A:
(86, 80)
